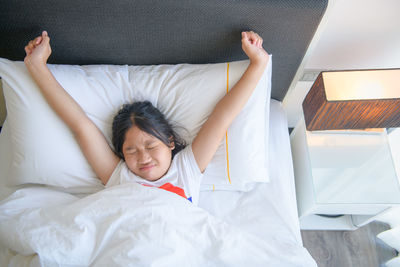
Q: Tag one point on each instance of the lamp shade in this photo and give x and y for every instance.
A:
(353, 100)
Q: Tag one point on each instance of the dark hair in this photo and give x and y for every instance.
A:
(148, 119)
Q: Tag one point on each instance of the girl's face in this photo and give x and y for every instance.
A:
(146, 155)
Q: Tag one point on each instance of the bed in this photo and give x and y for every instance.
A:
(184, 52)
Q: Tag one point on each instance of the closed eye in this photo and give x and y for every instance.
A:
(131, 151)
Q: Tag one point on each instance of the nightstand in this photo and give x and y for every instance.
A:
(343, 178)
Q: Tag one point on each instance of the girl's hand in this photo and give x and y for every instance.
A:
(38, 50)
(252, 46)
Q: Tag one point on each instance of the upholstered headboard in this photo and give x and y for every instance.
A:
(144, 32)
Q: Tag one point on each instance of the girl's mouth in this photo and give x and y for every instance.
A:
(146, 167)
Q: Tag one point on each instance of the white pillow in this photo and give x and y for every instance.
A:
(43, 150)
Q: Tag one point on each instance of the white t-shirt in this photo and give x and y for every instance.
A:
(183, 176)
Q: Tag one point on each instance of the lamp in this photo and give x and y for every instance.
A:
(353, 100)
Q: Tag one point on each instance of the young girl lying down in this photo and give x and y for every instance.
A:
(147, 150)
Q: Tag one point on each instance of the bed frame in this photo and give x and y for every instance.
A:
(146, 32)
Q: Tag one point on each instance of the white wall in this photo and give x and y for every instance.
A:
(355, 34)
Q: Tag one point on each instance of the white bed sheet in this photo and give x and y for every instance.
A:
(268, 210)
(264, 218)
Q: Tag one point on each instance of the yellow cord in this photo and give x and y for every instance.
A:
(226, 134)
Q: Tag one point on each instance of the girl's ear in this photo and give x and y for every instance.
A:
(171, 143)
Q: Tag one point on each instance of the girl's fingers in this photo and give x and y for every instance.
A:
(35, 41)
(38, 40)
(245, 36)
(252, 38)
(28, 50)
(31, 44)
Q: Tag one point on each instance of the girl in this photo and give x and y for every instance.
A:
(146, 148)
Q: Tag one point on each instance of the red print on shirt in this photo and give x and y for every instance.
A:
(174, 189)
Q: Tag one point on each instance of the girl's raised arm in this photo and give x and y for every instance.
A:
(91, 140)
(212, 132)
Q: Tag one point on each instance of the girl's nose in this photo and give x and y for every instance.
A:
(144, 157)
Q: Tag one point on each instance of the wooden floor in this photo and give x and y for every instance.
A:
(359, 248)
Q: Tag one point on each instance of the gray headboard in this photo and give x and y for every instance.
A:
(144, 32)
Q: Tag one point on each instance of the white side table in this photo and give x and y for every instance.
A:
(343, 178)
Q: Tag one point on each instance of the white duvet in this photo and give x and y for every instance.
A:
(129, 225)
(133, 225)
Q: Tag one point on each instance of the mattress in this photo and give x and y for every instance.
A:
(260, 224)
